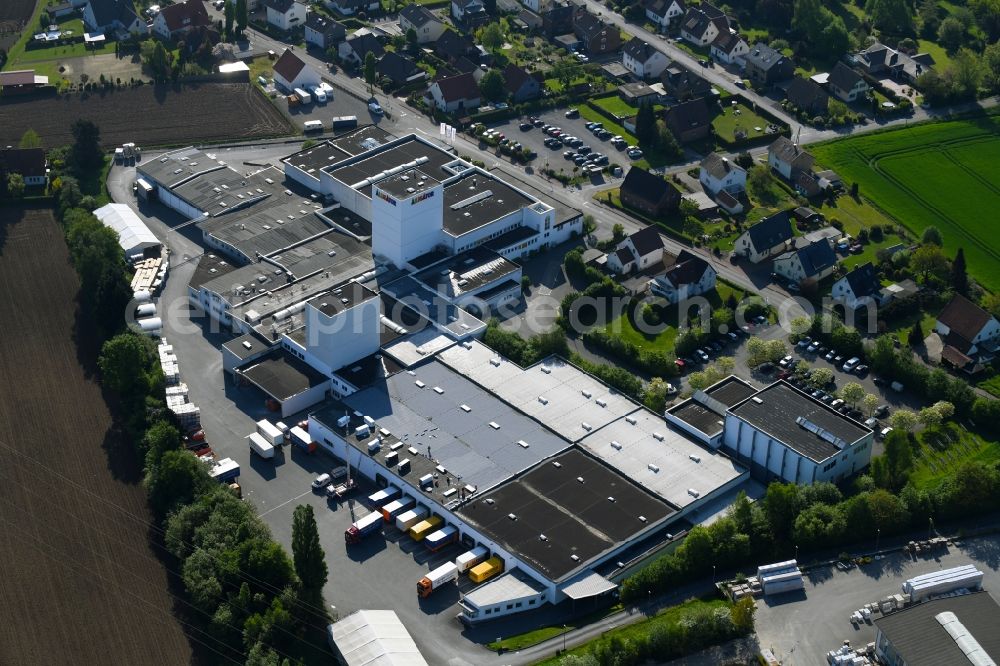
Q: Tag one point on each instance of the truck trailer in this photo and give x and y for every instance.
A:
(225, 470)
(261, 446)
(421, 530)
(484, 571)
(301, 439)
(303, 96)
(363, 527)
(270, 432)
(397, 507)
(471, 558)
(383, 497)
(437, 540)
(410, 518)
(445, 573)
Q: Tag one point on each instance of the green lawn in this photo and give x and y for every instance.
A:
(992, 385)
(616, 106)
(739, 117)
(940, 174)
(536, 636)
(936, 51)
(667, 618)
(943, 450)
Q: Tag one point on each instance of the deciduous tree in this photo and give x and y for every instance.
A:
(307, 553)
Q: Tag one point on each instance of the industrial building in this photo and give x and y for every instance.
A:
(135, 238)
(373, 637)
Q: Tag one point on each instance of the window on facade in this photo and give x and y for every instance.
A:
(518, 604)
(531, 602)
(489, 612)
(509, 606)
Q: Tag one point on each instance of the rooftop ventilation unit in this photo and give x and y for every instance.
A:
(413, 451)
(653, 468)
(658, 436)
(586, 426)
(642, 519)
(695, 458)
(546, 369)
(542, 537)
(616, 446)
(512, 516)
(757, 400)
(601, 403)
(419, 384)
(631, 419)
(611, 499)
(397, 446)
(557, 464)
(465, 408)
(586, 394)
(574, 557)
(693, 493)
(579, 479)
(438, 390)
(490, 501)
(542, 399)
(495, 361)
(523, 444)
(494, 425)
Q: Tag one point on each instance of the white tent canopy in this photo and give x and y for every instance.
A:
(133, 234)
(375, 638)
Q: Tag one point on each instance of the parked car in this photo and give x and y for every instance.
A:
(375, 107)
(702, 355)
(680, 364)
(830, 355)
(882, 411)
(573, 113)
(851, 364)
(525, 126)
(884, 433)
(785, 362)
(760, 320)
(871, 423)
(837, 404)
(861, 370)
(321, 481)
(732, 336)
(635, 153)
(813, 347)
(804, 342)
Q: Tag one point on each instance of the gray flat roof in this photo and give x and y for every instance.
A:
(409, 149)
(661, 460)
(265, 229)
(408, 183)
(210, 266)
(508, 238)
(282, 376)
(477, 199)
(466, 271)
(563, 518)
(919, 638)
(776, 408)
(225, 190)
(699, 417)
(342, 297)
(351, 143)
(433, 307)
(368, 371)
(350, 222)
(511, 585)
(554, 392)
(239, 350)
(178, 166)
(731, 391)
(362, 139)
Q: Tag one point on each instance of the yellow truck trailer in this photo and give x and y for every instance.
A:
(486, 570)
(424, 527)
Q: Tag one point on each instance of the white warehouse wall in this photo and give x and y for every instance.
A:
(347, 337)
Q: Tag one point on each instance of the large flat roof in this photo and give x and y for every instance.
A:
(477, 199)
(404, 151)
(919, 637)
(210, 266)
(511, 585)
(554, 392)
(679, 465)
(564, 513)
(449, 419)
(433, 307)
(408, 183)
(776, 410)
(730, 391)
(282, 376)
(699, 417)
(222, 191)
(564, 211)
(342, 297)
(466, 271)
(355, 142)
(177, 166)
(265, 229)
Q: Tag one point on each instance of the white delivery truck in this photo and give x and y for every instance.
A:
(312, 126)
(303, 96)
(471, 558)
(410, 518)
(270, 432)
(318, 93)
(261, 446)
(445, 573)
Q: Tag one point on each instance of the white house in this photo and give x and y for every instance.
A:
(719, 173)
(357, 47)
(322, 31)
(814, 262)
(423, 22)
(689, 276)
(663, 12)
(729, 48)
(846, 84)
(290, 72)
(30, 163)
(113, 15)
(637, 252)
(455, 93)
(788, 159)
(859, 288)
(174, 21)
(351, 7)
(643, 60)
(765, 239)
(286, 14)
(703, 23)
(969, 332)
(468, 11)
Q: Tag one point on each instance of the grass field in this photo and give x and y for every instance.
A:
(940, 174)
(942, 451)
(992, 385)
(728, 122)
(616, 105)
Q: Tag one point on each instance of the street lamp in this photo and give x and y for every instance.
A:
(564, 638)
(878, 534)
(713, 574)
(796, 552)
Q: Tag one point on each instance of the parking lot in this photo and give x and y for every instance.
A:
(801, 629)
(338, 103)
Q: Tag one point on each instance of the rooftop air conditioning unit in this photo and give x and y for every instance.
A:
(616, 446)
(653, 468)
(601, 403)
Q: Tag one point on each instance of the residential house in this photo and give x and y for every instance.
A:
(422, 21)
(767, 238)
(663, 12)
(113, 16)
(805, 216)
(28, 162)
(21, 81)
(689, 276)
(530, 19)
(356, 48)
(175, 21)
(689, 121)
(970, 333)
(285, 14)
(718, 174)
(637, 252)
(729, 202)
(807, 184)
(62, 9)
(643, 60)
(323, 32)
(451, 46)
(703, 23)
(682, 84)
(291, 73)
(766, 66)
(846, 84)
(399, 69)
(557, 19)
(521, 85)
(597, 36)
(637, 94)
(788, 159)
(469, 13)
(880, 61)
(859, 288)
(810, 263)
(352, 7)
(455, 93)
(807, 96)
(648, 193)
(729, 49)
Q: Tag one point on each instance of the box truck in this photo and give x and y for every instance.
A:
(261, 446)
(312, 126)
(225, 470)
(363, 527)
(484, 571)
(445, 573)
(301, 439)
(303, 96)
(383, 497)
(471, 558)
(396, 507)
(437, 540)
(420, 531)
(270, 432)
(410, 518)
(344, 122)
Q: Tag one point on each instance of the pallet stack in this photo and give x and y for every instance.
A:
(188, 414)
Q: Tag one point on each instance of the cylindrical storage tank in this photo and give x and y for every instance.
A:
(150, 325)
(142, 296)
(145, 310)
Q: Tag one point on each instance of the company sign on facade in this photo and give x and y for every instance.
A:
(421, 197)
(385, 197)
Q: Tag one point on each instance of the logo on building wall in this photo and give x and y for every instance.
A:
(421, 197)
(385, 197)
